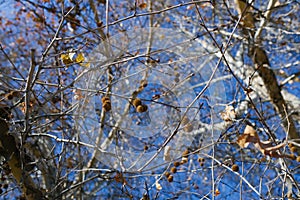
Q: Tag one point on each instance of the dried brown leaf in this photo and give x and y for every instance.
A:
(229, 114)
(249, 136)
(265, 147)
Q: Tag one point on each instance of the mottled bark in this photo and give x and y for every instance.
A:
(262, 65)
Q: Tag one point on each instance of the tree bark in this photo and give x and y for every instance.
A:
(262, 65)
(9, 150)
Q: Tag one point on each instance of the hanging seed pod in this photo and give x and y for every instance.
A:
(293, 149)
(201, 160)
(170, 178)
(167, 174)
(104, 99)
(145, 107)
(146, 148)
(293, 156)
(176, 163)
(136, 102)
(235, 168)
(142, 108)
(106, 106)
(173, 170)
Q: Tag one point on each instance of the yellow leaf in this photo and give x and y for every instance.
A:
(66, 59)
(86, 64)
(80, 59)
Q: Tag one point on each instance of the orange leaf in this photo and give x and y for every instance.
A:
(217, 192)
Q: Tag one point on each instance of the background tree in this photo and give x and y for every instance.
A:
(149, 99)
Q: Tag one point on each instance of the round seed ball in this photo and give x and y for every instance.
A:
(136, 102)
(293, 149)
(173, 170)
(104, 99)
(106, 106)
(170, 178)
(142, 108)
(176, 163)
(183, 161)
(146, 148)
(293, 157)
(167, 174)
(235, 168)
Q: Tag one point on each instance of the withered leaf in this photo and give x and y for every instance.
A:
(265, 147)
(229, 114)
